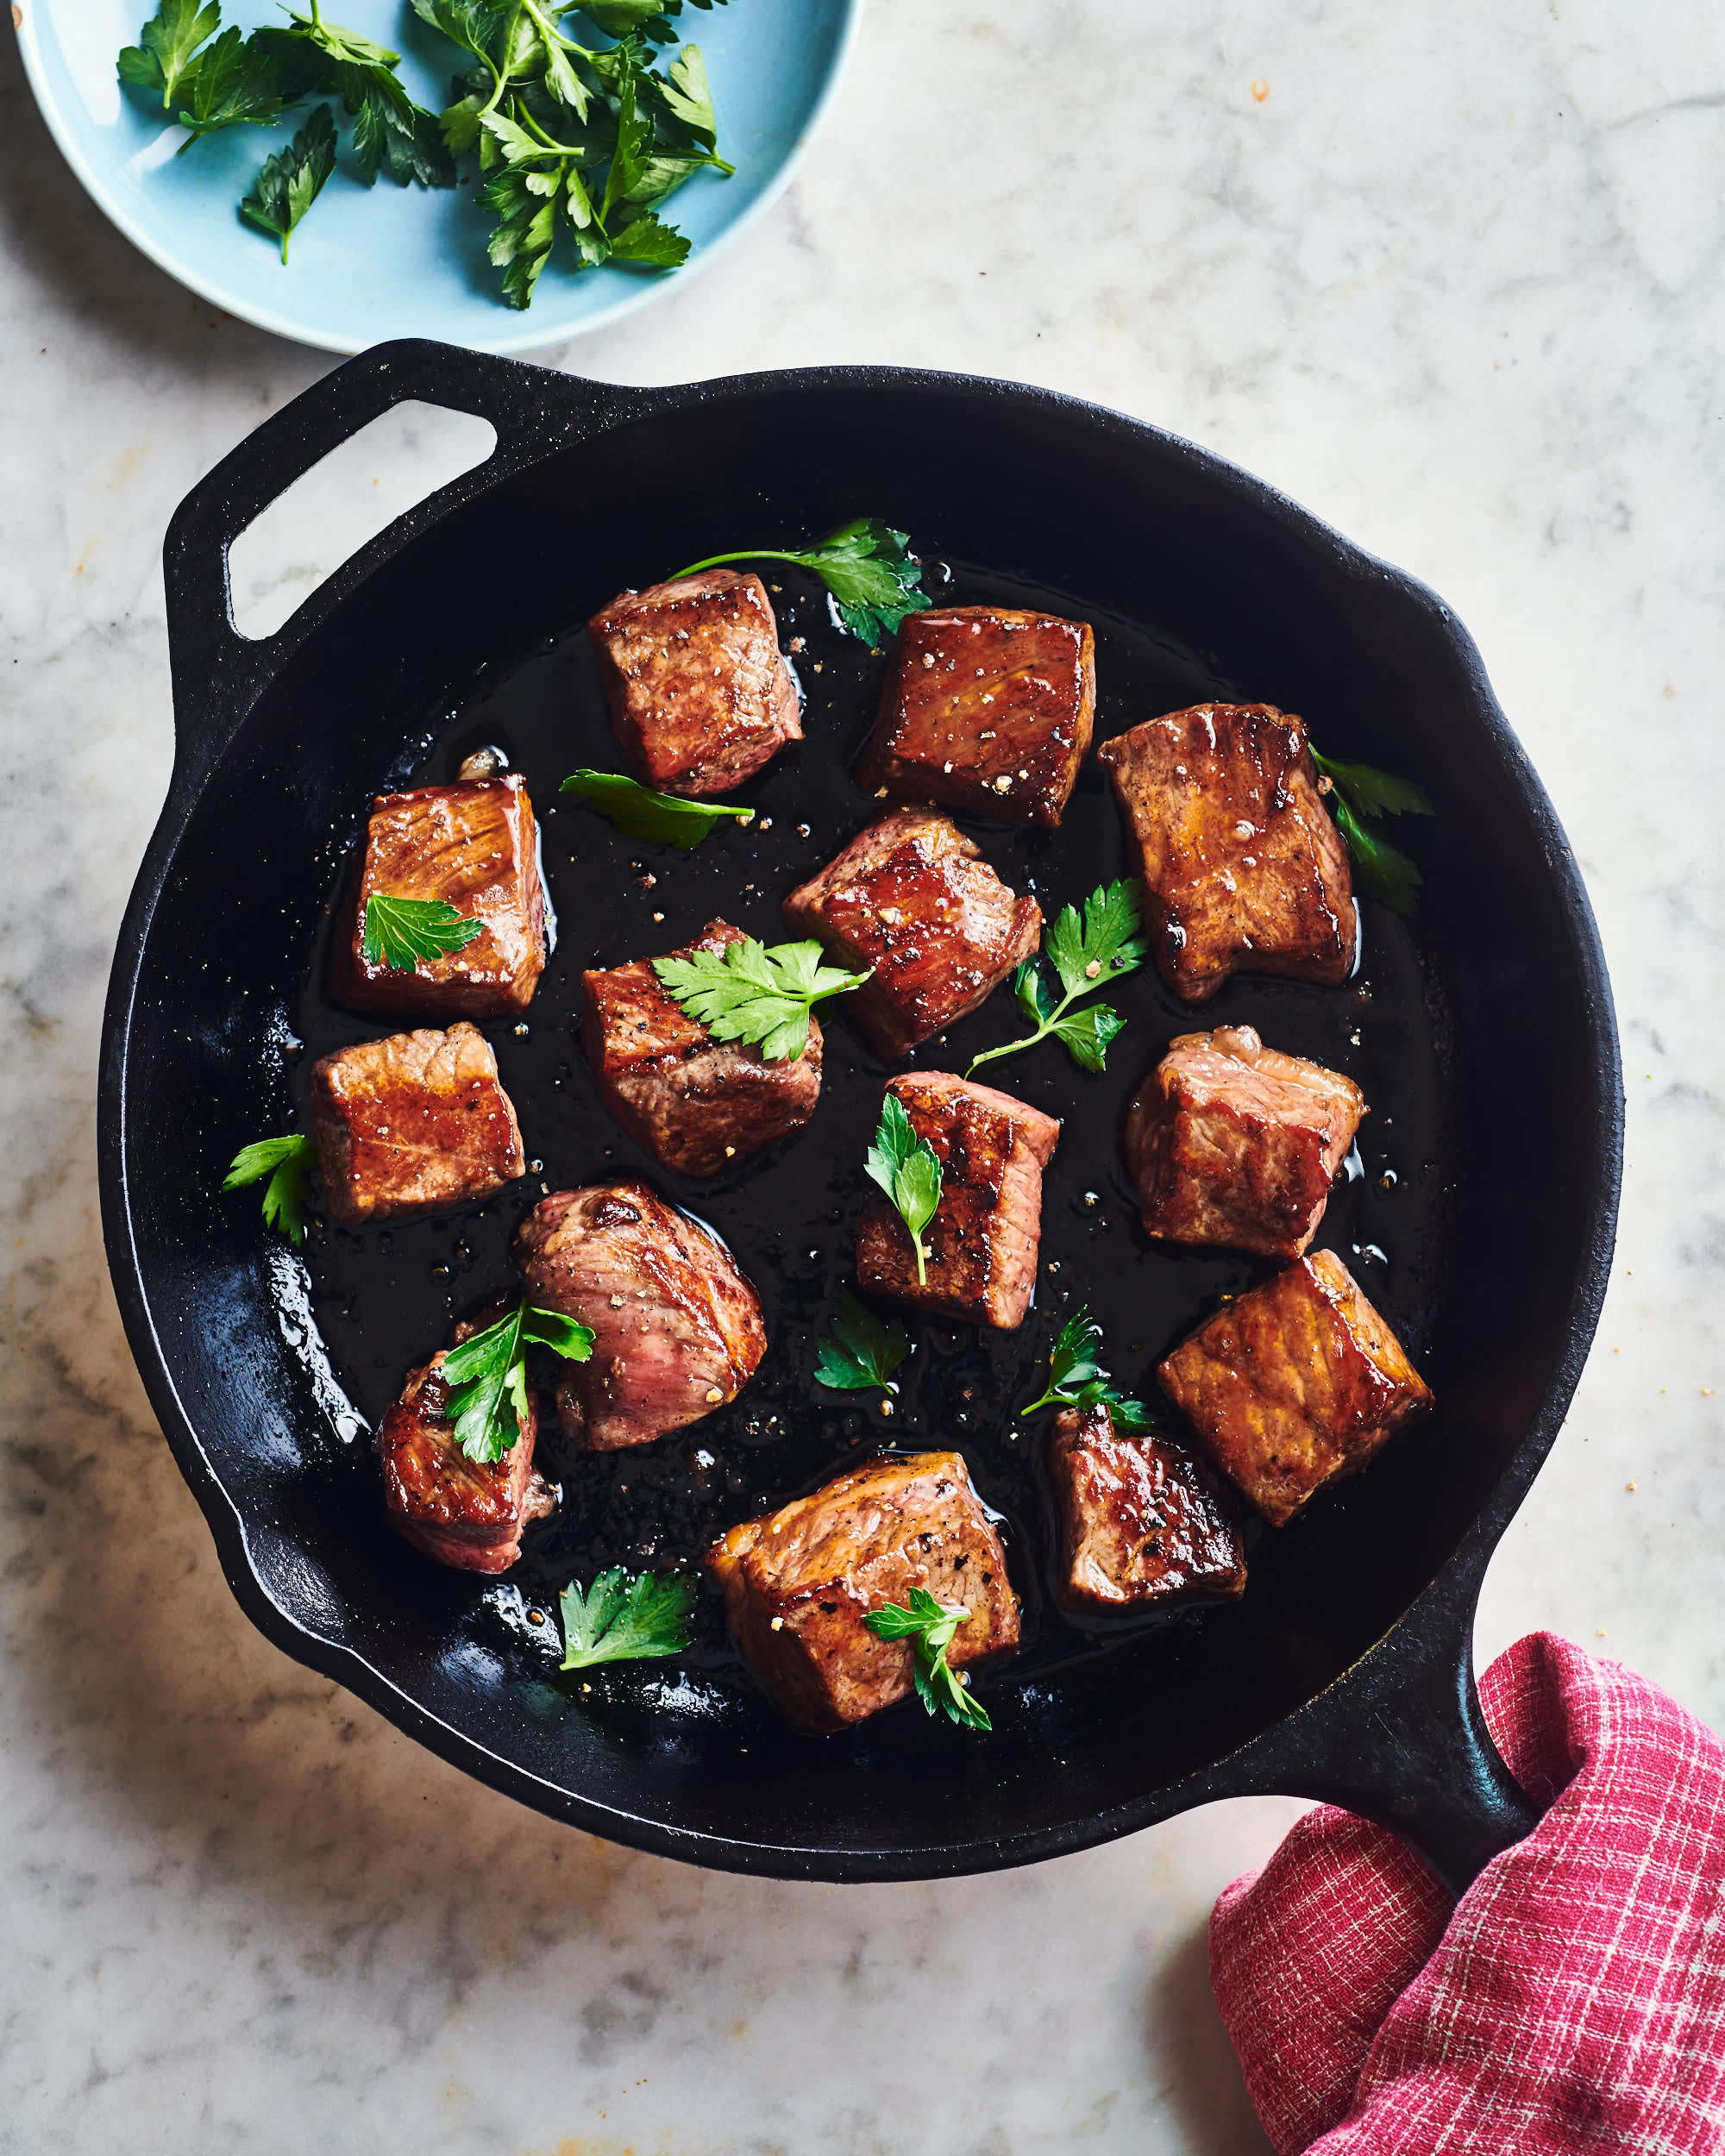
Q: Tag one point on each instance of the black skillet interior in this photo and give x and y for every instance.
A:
(1487, 1167)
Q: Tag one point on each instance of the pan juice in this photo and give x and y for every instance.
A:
(385, 1300)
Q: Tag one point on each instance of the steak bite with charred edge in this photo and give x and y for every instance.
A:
(986, 1230)
(799, 1581)
(1295, 1385)
(677, 1329)
(415, 1123)
(465, 1512)
(914, 900)
(1234, 1146)
(694, 1102)
(1143, 1521)
(1244, 870)
(985, 708)
(700, 693)
(476, 847)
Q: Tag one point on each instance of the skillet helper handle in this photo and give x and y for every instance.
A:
(1412, 1752)
(216, 671)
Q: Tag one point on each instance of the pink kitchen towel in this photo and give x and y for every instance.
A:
(1572, 2000)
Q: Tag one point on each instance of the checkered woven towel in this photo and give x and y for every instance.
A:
(1572, 2000)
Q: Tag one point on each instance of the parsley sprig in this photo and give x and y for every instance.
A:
(576, 142)
(863, 1353)
(399, 932)
(1359, 794)
(390, 132)
(207, 81)
(931, 1627)
(907, 1169)
(211, 81)
(166, 56)
(754, 993)
(1088, 954)
(287, 1163)
(487, 1375)
(873, 576)
(659, 819)
(619, 1619)
(288, 182)
(1077, 1379)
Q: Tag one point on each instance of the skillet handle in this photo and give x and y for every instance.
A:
(1402, 1740)
(216, 671)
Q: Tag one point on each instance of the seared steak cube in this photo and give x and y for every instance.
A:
(695, 1103)
(699, 695)
(914, 900)
(412, 1124)
(475, 846)
(1295, 1385)
(799, 1583)
(1244, 870)
(1232, 1143)
(1143, 1521)
(988, 708)
(983, 1238)
(677, 1328)
(465, 1512)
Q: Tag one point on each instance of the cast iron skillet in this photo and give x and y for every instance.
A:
(1346, 1673)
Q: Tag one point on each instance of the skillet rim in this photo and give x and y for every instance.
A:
(1318, 1749)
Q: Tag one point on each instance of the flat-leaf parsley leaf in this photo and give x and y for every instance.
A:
(1088, 953)
(862, 1352)
(164, 59)
(487, 1376)
(618, 1618)
(289, 182)
(287, 1163)
(751, 993)
(1077, 1379)
(399, 932)
(1359, 792)
(874, 578)
(907, 1169)
(931, 1627)
(659, 819)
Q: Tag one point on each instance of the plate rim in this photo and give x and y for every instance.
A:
(509, 342)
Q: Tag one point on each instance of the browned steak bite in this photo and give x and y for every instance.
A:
(476, 847)
(1244, 870)
(1143, 1521)
(465, 1512)
(983, 1238)
(700, 696)
(677, 1328)
(1234, 1145)
(412, 1124)
(914, 898)
(987, 708)
(695, 1103)
(1295, 1385)
(799, 1583)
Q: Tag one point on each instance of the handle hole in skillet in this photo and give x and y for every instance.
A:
(341, 505)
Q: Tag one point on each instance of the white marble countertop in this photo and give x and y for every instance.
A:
(1453, 280)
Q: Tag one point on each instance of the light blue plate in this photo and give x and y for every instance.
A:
(370, 263)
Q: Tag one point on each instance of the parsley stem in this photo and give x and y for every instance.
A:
(499, 79)
(922, 1274)
(754, 554)
(562, 149)
(1047, 1025)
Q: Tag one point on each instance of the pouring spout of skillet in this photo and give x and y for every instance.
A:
(1481, 1032)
